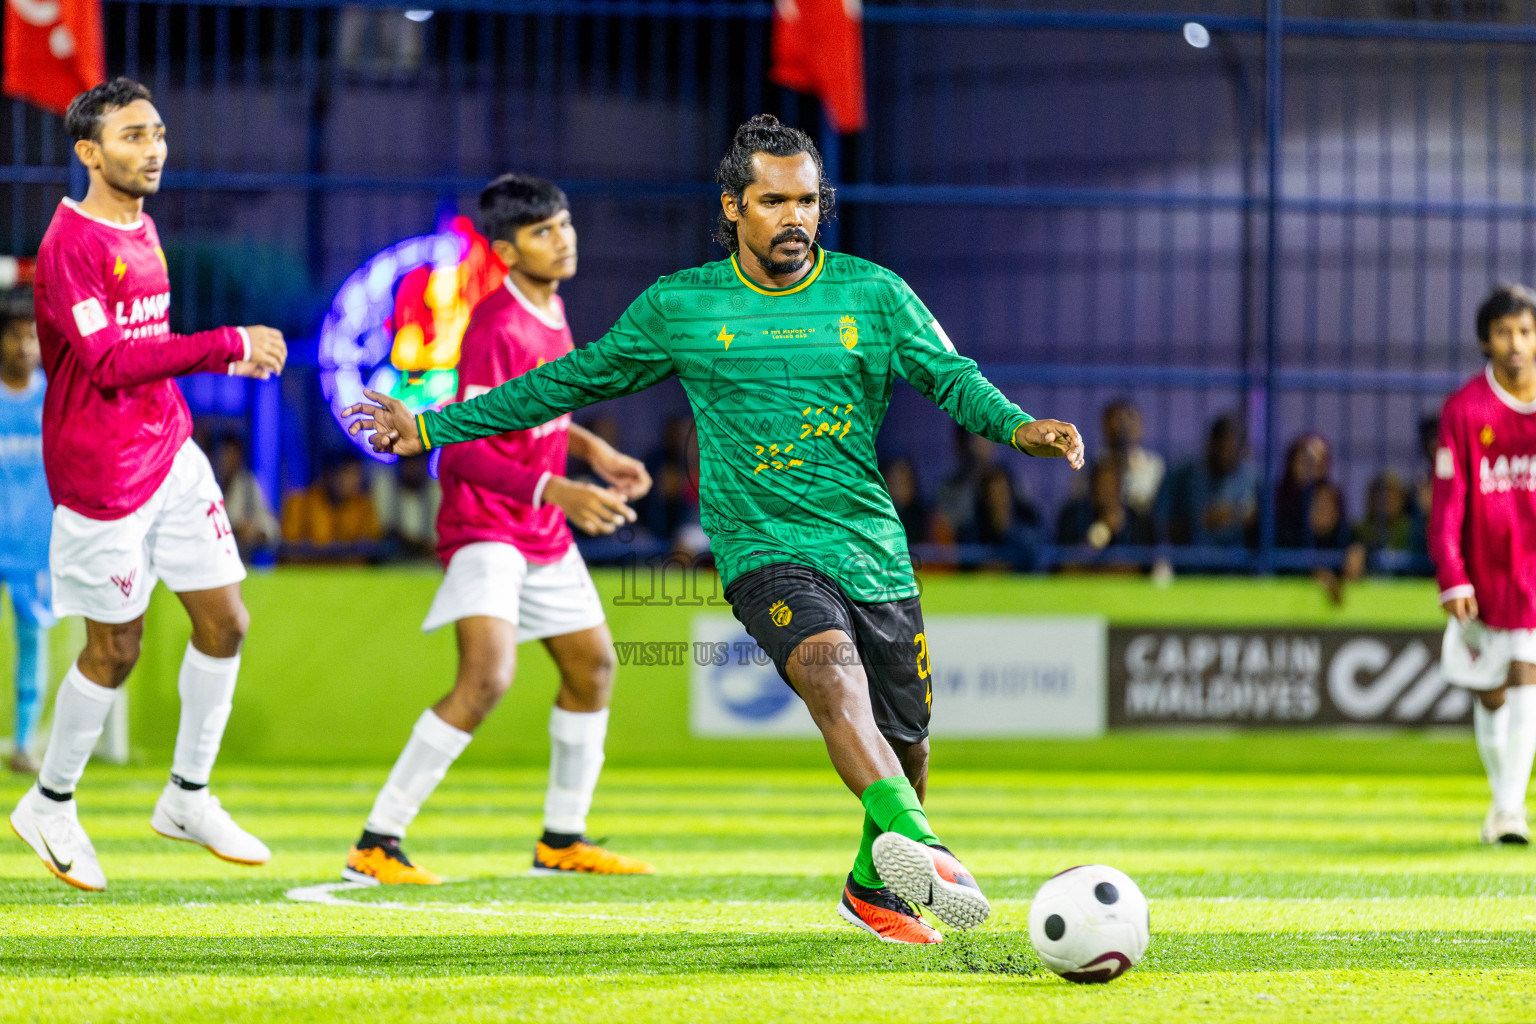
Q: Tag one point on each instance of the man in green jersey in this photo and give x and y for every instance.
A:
(788, 354)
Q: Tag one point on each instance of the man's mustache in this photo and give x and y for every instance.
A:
(791, 235)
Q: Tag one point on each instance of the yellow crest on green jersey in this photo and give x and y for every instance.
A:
(848, 332)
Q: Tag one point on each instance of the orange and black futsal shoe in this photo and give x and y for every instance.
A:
(385, 864)
(884, 915)
(932, 877)
(584, 857)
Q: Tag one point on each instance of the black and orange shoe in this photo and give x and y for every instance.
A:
(931, 877)
(584, 857)
(884, 915)
(382, 862)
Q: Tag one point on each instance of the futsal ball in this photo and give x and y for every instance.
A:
(1090, 924)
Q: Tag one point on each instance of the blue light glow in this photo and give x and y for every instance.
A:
(355, 342)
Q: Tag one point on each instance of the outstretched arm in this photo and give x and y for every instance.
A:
(927, 359)
(629, 358)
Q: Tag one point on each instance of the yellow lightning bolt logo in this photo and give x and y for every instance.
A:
(727, 338)
(119, 269)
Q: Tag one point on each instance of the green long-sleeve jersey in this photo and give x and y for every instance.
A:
(788, 389)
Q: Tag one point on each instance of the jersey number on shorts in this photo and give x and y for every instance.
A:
(221, 527)
(923, 668)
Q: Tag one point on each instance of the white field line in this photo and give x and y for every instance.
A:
(325, 895)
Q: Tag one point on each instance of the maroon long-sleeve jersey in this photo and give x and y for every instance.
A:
(1482, 524)
(114, 418)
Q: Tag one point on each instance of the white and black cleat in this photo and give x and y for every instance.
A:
(195, 816)
(52, 829)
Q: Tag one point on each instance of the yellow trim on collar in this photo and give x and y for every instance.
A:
(821, 259)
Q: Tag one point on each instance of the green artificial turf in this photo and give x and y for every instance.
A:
(1276, 896)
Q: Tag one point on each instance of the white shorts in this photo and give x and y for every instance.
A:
(105, 569)
(495, 579)
(1487, 668)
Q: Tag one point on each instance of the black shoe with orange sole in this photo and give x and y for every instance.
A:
(884, 915)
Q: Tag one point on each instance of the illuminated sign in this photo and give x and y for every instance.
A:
(396, 322)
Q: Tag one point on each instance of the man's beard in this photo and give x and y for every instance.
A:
(783, 268)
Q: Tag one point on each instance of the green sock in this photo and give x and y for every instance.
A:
(864, 864)
(893, 805)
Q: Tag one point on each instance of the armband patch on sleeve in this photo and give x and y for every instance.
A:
(89, 316)
(1445, 464)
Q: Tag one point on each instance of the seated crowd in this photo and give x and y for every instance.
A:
(1127, 511)
(1131, 503)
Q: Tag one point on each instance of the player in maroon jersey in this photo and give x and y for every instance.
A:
(1482, 536)
(136, 499)
(512, 571)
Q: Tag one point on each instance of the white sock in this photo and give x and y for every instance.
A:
(1519, 749)
(1491, 729)
(575, 761)
(433, 746)
(79, 713)
(207, 688)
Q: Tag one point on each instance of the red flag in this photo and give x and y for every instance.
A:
(818, 47)
(53, 50)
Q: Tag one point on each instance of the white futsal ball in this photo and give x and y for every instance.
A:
(1090, 924)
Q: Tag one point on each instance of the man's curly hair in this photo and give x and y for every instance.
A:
(764, 134)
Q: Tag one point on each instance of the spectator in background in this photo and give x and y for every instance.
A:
(1103, 517)
(1423, 488)
(1388, 523)
(1309, 513)
(901, 482)
(1328, 530)
(26, 522)
(249, 514)
(406, 499)
(1308, 466)
(1213, 500)
(1139, 470)
(961, 491)
(333, 514)
(1003, 519)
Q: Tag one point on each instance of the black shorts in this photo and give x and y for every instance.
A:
(784, 603)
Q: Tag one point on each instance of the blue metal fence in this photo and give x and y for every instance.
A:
(1294, 222)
